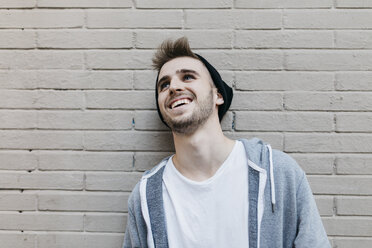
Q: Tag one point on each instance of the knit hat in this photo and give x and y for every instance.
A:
(225, 90)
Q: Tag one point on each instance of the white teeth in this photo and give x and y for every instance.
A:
(181, 101)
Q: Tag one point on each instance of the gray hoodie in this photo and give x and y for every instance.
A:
(282, 210)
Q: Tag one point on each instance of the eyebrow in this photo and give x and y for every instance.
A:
(183, 71)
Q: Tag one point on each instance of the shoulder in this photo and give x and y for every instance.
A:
(285, 162)
(134, 201)
(258, 152)
(286, 169)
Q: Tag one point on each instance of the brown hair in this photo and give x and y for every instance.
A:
(169, 50)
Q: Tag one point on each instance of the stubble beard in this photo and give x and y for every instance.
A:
(189, 125)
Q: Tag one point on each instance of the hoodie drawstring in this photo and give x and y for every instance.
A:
(272, 183)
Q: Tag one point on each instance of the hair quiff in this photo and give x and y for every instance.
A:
(169, 50)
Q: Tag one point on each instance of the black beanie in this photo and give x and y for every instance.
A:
(225, 90)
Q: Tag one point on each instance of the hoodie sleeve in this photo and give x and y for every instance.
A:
(135, 233)
(127, 237)
(310, 230)
(131, 238)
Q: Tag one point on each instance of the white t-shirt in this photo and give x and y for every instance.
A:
(212, 213)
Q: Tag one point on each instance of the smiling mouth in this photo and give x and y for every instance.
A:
(180, 103)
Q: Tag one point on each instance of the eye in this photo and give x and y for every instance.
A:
(188, 77)
(163, 85)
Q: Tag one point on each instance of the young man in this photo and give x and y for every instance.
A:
(214, 191)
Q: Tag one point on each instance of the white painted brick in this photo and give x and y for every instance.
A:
(147, 160)
(283, 39)
(106, 240)
(79, 240)
(18, 160)
(353, 39)
(353, 4)
(145, 79)
(111, 120)
(248, 60)
(18, 119)
(327, 19)
(284, 81)
(41, 19)
(37, 59)
(354, 122)
(41, 180)
(59, 99)
(83, 201)
(85, 3)
(354, 164)
(348, 226)
(17, 240)
(315, 163)
(325, 205)
(325, 66)
(105, 222)
(89, 161)
(121, 99)
(227, 19)
(266, 19)
(40, 139)
(345, 185)
(65, 79)
(113, 140)
(85, 39)
(17, 201)
(110, 181)
(329, 60)
(349, 81)
(39, 221)
(205, 19)
(279, 121)
(18, 79)
(345, 101)
(148, 120)
(71, 79)
(197, 38)
(257, 101)
(184, 4)
(134, 19)
(328, 143)
(275, 139)
(258, 4)
(354, 205)
(41, 99)
(17, 39)
(352, 242)
(17, 3)
(119, 59)
(61, 240)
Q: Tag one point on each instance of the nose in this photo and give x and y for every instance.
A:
(176, 85)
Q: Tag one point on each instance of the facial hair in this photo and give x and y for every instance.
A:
(188, 125)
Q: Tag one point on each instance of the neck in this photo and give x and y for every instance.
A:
(200, 154)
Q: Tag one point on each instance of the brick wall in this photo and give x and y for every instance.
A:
(78, 124)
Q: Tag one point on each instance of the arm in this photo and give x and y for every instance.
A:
(130, 232)
(310, 230)
(136, 231)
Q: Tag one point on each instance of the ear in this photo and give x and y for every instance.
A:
(220, 100)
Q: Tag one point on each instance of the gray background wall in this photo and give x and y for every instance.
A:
(78, 122)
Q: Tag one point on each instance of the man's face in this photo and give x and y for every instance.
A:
(186, 94)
